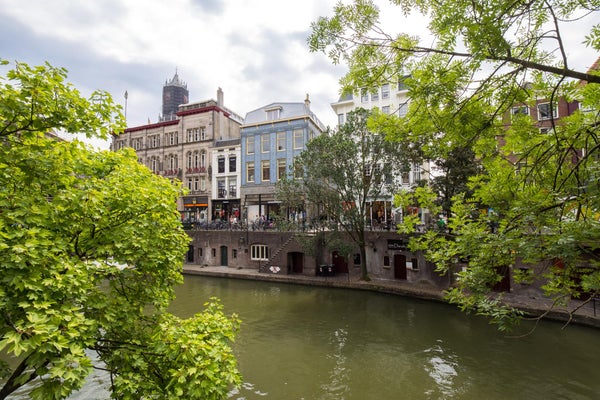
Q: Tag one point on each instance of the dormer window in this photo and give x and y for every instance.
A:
(273, 113)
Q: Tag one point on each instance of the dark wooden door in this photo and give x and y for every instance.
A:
(296, 261)
(224, 260)
(400, 266)
(339, 263)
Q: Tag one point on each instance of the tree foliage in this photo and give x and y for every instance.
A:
(91, 246)
(541, 187)
(345, 171)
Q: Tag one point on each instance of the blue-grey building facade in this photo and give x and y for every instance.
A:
(271, 137)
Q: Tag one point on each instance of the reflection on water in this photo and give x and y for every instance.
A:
(441, 367)
(301, 342)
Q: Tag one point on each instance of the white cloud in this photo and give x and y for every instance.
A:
(254, 49)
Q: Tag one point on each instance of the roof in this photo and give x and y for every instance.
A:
(287, 111)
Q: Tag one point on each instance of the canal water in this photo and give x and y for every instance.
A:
(313, 343)
(305, 342)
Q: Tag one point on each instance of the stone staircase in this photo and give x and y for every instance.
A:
(267, 266)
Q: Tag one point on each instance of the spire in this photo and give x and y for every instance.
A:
(175, 81)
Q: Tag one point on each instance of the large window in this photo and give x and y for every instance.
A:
(403, 110)
(259, 252)
(385, 91)
(250, 172)
(519, 110)
(298, 138)
(341, 119)
(375, 95)
(264, 143)
(281, 168)
(364, 96)
(250, 145)
(547, 111)
(280, 141)
(265, 167)
(171, 138)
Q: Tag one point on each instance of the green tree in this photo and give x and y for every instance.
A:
(91, 246)
(542, 186)
(343, 172)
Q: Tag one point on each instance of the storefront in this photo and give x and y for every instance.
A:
(195, 209)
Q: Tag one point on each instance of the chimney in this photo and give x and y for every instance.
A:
(220, 97)
(307, 102)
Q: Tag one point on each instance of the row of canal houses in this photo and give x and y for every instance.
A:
(230, 164)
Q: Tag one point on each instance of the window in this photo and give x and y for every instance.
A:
(273, 114)
(173, 162)
(341, 119)
(416, 173)
(265, 167)
(221, 191)
(375, 95)
(298, 138)
(202, 133)
(234, 253)
(203, 159)
(364, 96)
(232, 163)
(232, 189)
(137, 143)
(196, 184)
(405, 178)
(171, 138)
(402, 84)
(385, 91)
(281, 168)
(414, 264)
(385, 109)
(196, 159)
(189, 159)
(280, 141)
(193, 135)
(189, 183)
(519, 110)
(250, 172)
(264, 143)
(547, 111)
(202, 184)
(154, 141)
(221, 165)
(298, 171)
(403, 110)
(259, 252)
(250, 145)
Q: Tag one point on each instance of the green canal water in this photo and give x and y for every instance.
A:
(303, 342)
(313, 343)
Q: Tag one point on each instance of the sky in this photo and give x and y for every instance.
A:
(255, 50)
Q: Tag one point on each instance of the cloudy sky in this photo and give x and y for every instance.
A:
(255, 50)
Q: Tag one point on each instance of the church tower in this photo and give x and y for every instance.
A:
(175, 92)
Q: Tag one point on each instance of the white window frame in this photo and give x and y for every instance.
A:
(552, 107)
(259, 252)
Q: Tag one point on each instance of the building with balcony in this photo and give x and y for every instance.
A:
(181, 148)
(225, 185)
(390, 98)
